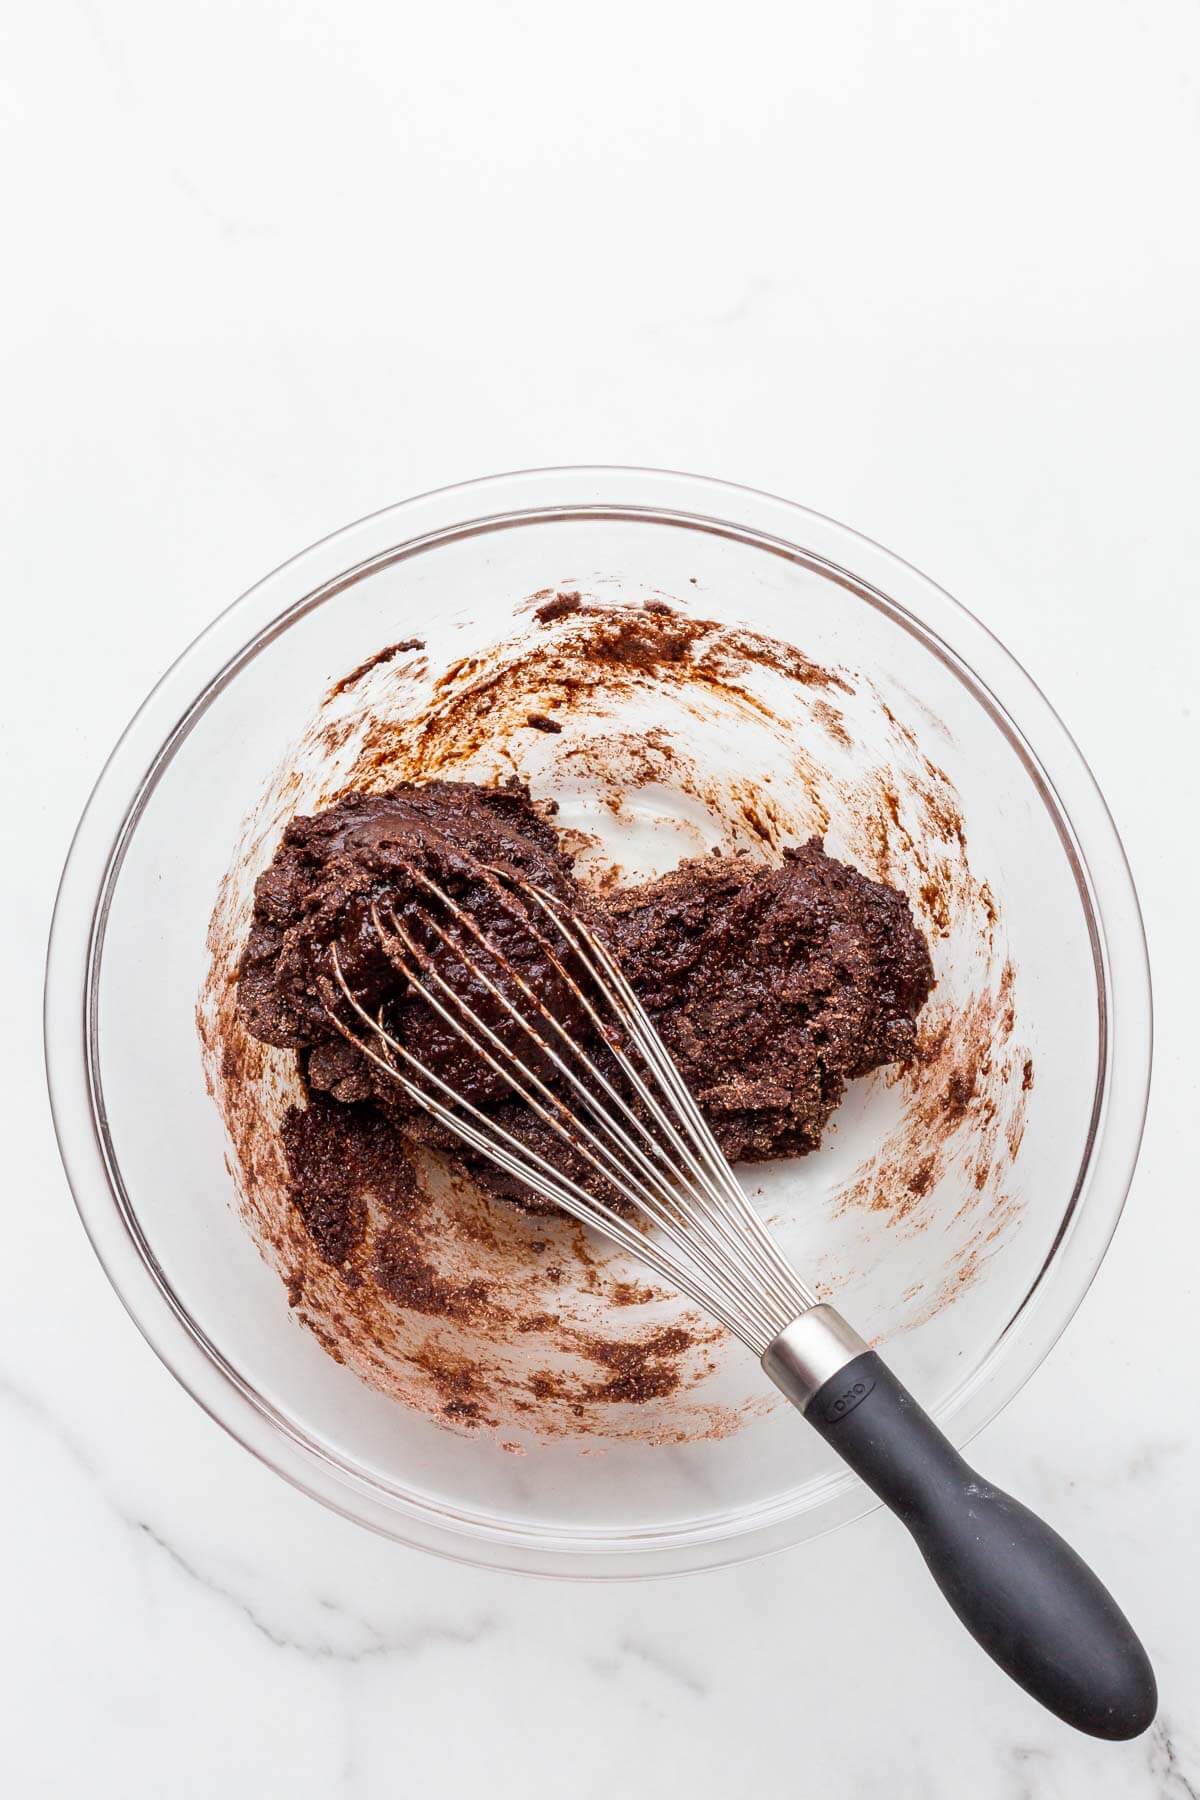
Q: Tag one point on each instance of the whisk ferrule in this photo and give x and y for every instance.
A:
(811, 1351)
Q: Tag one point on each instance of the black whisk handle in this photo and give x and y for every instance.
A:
(1020, 1590)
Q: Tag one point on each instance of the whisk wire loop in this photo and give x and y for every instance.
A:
(663, 1175)
(651, 1146)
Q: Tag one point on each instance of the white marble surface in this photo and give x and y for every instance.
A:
(934, 269)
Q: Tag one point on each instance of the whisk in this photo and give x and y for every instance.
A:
(636, 1160)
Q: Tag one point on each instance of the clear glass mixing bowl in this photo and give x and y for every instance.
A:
(144, 1147)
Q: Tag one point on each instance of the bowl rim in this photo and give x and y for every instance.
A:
(1017, 706)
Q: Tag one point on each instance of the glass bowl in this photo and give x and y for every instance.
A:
(969, 1261)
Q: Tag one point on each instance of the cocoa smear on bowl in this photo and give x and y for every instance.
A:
(528, 1328)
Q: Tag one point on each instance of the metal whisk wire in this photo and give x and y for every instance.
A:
(666, 1164)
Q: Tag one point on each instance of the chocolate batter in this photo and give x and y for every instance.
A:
(773, 986)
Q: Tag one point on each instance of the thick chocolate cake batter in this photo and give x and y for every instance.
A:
(773, 986)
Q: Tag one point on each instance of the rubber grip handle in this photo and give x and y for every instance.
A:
(1022, 1593)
